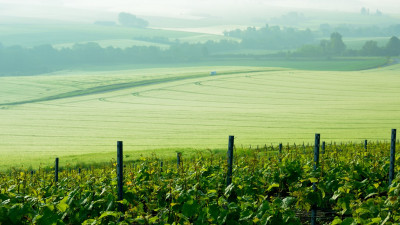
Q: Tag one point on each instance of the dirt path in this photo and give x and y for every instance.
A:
(392, 62)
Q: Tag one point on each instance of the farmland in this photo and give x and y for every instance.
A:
(307, 100)
(348, 185)
(79, 116)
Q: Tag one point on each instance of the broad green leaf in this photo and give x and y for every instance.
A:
(190, 208)
(362, 211)
(347, 221)
(376, 220)
(288, 202)
(89, 222)
(273, 186)
(336, 195)
(109, 213)
(386, 219)
(62, 205)
(15, 213)
(336, 221)
(370, 195)
(211, 191)
(229, 189)
(48, 217)
(392, 189)
(153, 220)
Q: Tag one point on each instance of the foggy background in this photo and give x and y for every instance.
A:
(87, 11)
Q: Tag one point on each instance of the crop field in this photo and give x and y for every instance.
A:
(116, 43)
(348, 184)
(80, 116)
(313, 64)
(358, 43)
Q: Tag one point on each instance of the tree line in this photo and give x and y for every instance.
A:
(272, 37)
(336, 47)
(17, 60)
(350, 30)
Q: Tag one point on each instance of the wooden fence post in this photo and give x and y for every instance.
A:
(230, 160)
(392, 156)
(365, 145)
(280, 152)
(120, 174)
(56, 171)
(323, 147)
(178, 159)
(316, 164)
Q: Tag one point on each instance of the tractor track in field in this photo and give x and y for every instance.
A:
(391, 62)
(100, 90)
(116, 87)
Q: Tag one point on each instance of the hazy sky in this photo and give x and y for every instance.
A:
(180, 8)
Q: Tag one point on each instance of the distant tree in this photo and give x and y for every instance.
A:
(370, 48)
(364, 11)
(393, 47)
(337, 45)
(310, 51)
(393, 30)
(130, 20)
(45, 54)
(90, 52)
(272, 37)
(325, 46)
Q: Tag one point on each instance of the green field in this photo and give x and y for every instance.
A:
(79, 116)
(358, 43)
(116, 43)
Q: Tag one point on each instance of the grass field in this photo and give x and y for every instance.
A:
(358, 43)
(116, 43)
(80, 116)
(314, 64)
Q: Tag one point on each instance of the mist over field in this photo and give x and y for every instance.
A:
(73, 71)
(247, 10)
(121, 112)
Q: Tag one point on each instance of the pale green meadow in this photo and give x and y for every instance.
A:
(79, 116)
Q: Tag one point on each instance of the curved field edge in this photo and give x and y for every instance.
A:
(259, 108)
(126, 85)
(337, 64)
(314, 64)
